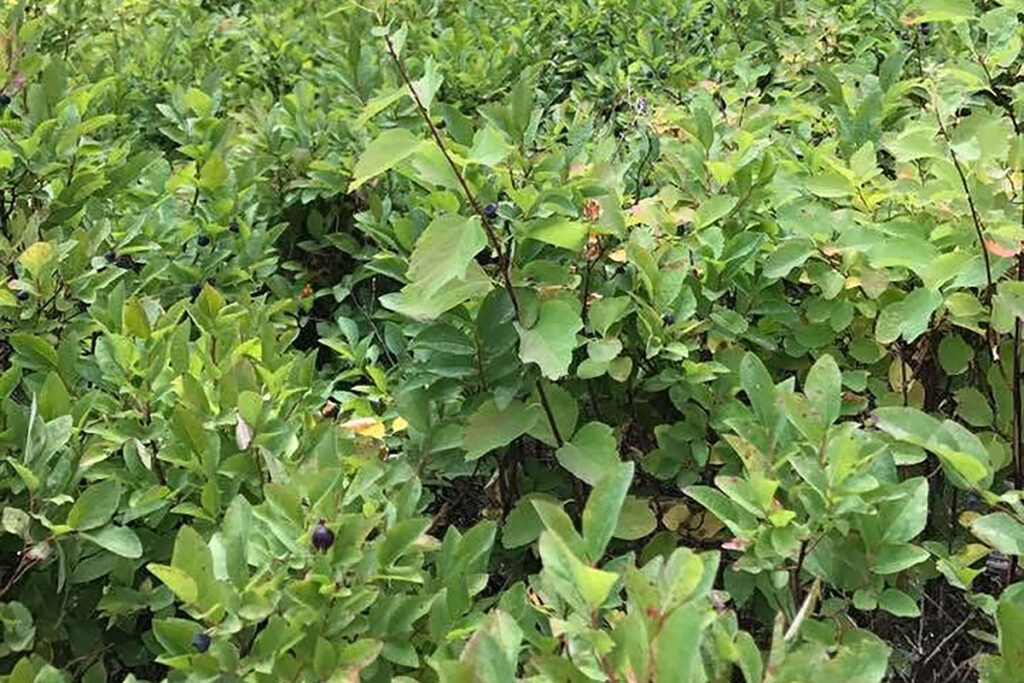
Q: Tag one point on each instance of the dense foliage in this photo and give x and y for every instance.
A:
(587, 340)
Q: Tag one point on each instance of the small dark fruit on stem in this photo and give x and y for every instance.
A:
(491, 210)
(23, 295)
(194, 290)
(204, 240)
(323, 538)
(201, 642)
(233, 227)
(5, 99)
(110, 256)
(668, 319)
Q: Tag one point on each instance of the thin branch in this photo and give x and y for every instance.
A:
(978, 227)
(805, 609)
(492, 235)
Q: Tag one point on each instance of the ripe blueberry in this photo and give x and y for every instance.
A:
(110, 256)
(23, 295)
(201, 642)
(668, 319)
(5, 99)
(323, 538)
(491, 210)
(194, 290)
(203, 240)
(233, 227)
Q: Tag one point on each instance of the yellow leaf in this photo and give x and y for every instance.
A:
(365, 426)
(399, 425)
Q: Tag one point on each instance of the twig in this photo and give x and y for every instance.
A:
(492, 235)
(805, 609)
(978, 227)
(945, 640)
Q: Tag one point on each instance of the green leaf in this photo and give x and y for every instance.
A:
(325, 659)
(552, 339)
(739, 521)
(400, 538)
(214, 173)
(677, 647)
(636, 519)
(1010, 620)
(421, 301)
(54, 400)
(559, 231)
(592, 454)
(180, 583)
(788, 255)
(119, 540)
(955, 355)
(391, 148)
(892, 559)
(444, 252)
(713, 209)
(604, 313)
(899, 603)
(490, 428)
(134, 319)
(16, 521)
(489, 147)
(941, 10)
(1000, 531)
(908, 318)
(95, 506)
(558, 522)
(972, 407)
(593, 585)
(234, 536)
(951, 442)
(759, 388)
(33, 352)
(523, 525)
(823, 388)
(601, 513)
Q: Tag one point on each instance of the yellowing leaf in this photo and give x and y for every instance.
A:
(36, 257)
(370, 427)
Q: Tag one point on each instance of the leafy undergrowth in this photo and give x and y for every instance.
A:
(588, 340)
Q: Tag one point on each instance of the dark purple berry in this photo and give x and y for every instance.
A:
(201, 642)
(110, 256)
(323, 538)
(203, 240)
(233, 227)
(491, 210)
(5, 99)
(194, 290)
(23, 295)
(668, 319)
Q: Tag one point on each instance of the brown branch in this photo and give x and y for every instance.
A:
(492, 235)
(978, 227)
